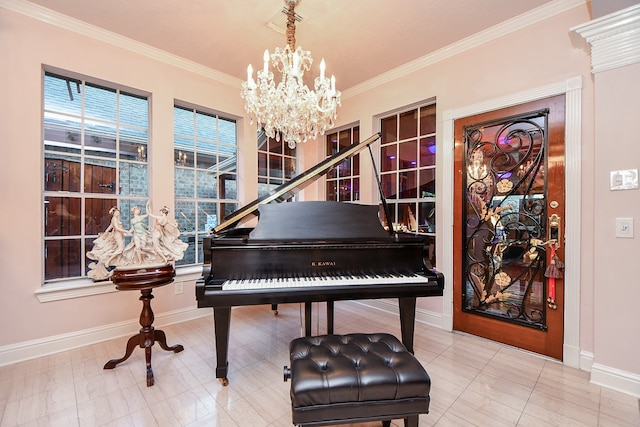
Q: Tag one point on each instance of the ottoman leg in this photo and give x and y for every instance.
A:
(411, 421)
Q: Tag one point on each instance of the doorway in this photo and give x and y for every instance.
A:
(509, 203)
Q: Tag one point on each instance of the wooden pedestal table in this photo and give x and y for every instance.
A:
(144, 279)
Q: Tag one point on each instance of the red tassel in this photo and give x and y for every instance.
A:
(553, 272)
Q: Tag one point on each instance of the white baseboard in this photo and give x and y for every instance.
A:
(390, 306)
(26, 350)
(622, 381)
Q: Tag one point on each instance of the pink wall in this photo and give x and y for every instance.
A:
(535, 56)
(26, 45)
(617, 322)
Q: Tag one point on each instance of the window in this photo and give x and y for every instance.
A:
(343, 181)
(407, 168)
(276, 163)
(95, 143)
(206, 175)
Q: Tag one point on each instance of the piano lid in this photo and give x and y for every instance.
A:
(318, 221)
(291, 187)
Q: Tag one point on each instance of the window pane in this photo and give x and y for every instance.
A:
(134, 179)
(183, 122)
(428, 151)
(207, 185)
(408, 152)
(408, 184)
(262, 164)
(62, 133)
(275, 166)
(207, 215)
(97, 217)
(61, 173)
(206, 126)
(228, 186)
(100, 103)
(100, 176)
(408, 125)
(227, 131)
(389, 130)
(134, 144)
(289, 167)
(428, 182)
(227, 159)
(62, 94)
(184, 183)
(63, 258)
(134, 110)
(332, 190)
(205, 155)
(388, 182)
(186, 215)
(428, 120)
(427, 217)
(100, 139)
(389, 158)
(356, 189)
(62, 216)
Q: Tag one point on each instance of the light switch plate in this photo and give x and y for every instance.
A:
(624, 228)
(624, 180)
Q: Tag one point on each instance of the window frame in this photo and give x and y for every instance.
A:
(392, 172)
(335, 141)
(95, 124)
(182, 163)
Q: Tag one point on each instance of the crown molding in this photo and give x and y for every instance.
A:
(51, 17)
(613, 40)
(517, 23)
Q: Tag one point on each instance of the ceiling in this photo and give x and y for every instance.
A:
(359, 39)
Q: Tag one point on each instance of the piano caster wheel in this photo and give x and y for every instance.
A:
(275, 312)
(224, 381)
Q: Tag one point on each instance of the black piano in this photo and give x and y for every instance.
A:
(314, 251)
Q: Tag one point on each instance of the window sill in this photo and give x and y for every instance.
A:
(86, 287)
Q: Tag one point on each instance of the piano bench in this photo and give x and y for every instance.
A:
(341, 379)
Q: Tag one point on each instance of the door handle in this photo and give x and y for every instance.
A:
(554, 229)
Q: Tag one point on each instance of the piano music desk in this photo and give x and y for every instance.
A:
(144, 279)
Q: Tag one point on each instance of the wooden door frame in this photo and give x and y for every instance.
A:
(572, 88)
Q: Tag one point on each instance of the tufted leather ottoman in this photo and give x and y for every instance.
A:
(337, 379)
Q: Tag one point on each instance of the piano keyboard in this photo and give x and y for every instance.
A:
(346, 280)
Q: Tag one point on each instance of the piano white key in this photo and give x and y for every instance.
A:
(296, 282)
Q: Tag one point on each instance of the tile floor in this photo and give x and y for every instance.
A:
(474, 382)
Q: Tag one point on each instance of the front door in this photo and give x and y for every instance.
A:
(508, 228)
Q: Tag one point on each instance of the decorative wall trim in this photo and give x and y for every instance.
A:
(625, 382)
(505, 28)
(572, 88)
(65, 22)
(27, 350)
(613, 40)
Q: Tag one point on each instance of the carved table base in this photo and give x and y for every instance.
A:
(144, 279)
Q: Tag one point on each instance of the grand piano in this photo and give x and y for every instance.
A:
(312, 251)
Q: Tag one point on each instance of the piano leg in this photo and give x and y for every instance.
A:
(274, 308)
(221, 324)
(407, 321)
(307, 319)
(329, 317)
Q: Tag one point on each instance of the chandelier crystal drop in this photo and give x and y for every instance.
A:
(289, 110)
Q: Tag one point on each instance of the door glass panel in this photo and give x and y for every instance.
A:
(504, 213)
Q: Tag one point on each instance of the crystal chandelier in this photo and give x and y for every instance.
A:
(289, 110)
